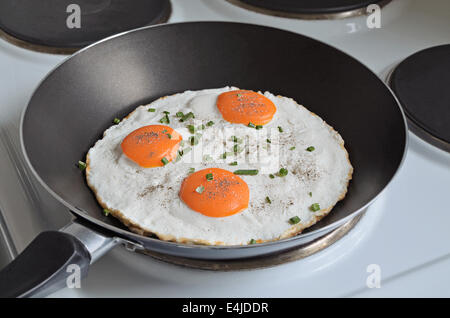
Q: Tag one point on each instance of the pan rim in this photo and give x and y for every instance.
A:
(139, 238)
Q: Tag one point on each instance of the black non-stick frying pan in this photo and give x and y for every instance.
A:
(79, 99)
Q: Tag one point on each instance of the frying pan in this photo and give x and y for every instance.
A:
(78, 100)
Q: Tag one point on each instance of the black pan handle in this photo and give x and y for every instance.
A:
(46, 265)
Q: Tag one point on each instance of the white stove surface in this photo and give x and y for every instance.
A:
(405, 232)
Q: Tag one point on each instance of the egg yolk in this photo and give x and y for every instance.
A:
(215, 192)
(152, 146)
(244, 107)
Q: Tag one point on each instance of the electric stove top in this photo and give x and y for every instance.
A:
(402, 237)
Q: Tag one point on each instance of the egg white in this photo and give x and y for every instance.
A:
(147, 199)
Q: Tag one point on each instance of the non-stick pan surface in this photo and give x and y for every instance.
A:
(79, 100)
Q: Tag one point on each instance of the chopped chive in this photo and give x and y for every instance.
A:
(294, 220)
(207, 158)
(200, 189)
(201, 127)
(191, 129)
(209, 176)
(271, 176)
(151, 110)
(226, 154)
(310, 194)
(193, 140)
(234, 163)
(246, 172)
(209, 123)
(164, 131)
(81, 165)
(251, 125)
(283, 172)
(184, 151)
(252, 241)
(165, 119)
(236, 148)
(236, 139)
(116, 121)
(314, 207)
(268, 200)
(106, 212)
(191, 170)
(292, 148)
(169, 135)
(164, 161)
(280, 129)
(166, 112)
(238, 95)
(258, 127)
(187, 116)
(268, 141)
(310, 148)
(179, 114)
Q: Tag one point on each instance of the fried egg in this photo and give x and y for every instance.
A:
(220, 166)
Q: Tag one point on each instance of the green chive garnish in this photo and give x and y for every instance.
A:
(234, 139)
(200, 189)
(166, 112)
(283, 172)
(268, 141)
(271, 176)
(207, 158)
(151, 110)
(193, 140)
(179, 114)
(201, 127)
(164, 161)
(209, 176)
(187, 116)
(116, 121)
(251, 125)
(234, 163)
(292, 148)
(310, 148)
(165, 119)
(310, 194)
(314, 207)
(184, 151)
(106, 212)
(280, 129)
(252, 241)
(169, 135)
(210, 123)
(191, 170)
(246, 172)
(236, 148)
(81, 165)
(268, 200)
(258, 127)
(191, 129)
(238, 95)
(294, 220)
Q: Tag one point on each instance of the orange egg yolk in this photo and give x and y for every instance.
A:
(244, 107)
(223, 195)
(152, 146)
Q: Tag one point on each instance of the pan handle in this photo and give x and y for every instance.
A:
(54, 260)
